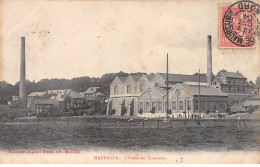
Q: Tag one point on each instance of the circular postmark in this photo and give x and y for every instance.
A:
(241, 23)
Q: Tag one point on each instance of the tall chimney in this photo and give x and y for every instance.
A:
(22, 88)
(209, 62)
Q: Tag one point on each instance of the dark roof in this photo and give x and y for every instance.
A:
(253, 97)
(179, 78)
(250, 102)
(232, 74)
(205, 90)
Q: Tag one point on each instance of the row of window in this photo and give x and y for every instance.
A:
(42, 110)
(211, 106)
(146, 106)
(44, 106)
(184, 105)
(172, 105)
(77, 100)
(128, 89)
(236, 89)
(235, 82)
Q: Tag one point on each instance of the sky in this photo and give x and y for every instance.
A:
(67, 39)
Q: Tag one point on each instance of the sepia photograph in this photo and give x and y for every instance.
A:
(129, 82)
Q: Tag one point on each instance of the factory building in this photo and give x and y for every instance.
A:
(93, 94)
(63, 99)
(44, 105)
(183, 99)
(131, 96)
(152, 99)
(124, 93)
(234, 84)
(36, 95)
(188, 98)
(127, 91)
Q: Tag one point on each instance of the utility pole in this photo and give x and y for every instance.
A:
(199, 94)
(167, 86)
(188, 107)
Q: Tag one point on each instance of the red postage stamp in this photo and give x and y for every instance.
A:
(239, 24)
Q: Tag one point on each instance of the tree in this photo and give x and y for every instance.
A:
(152, 110)
(85, 104)
(257, 83)
(141, 111)
(228, 110)
(124, 111)
(207, 112)
(79, 84)
(169, 111)
(113, 112)
(123, 108)
(67, 102)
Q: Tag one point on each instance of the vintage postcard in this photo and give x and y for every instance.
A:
(129, 82)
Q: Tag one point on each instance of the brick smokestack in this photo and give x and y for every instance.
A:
(22, 88)
(209, 62)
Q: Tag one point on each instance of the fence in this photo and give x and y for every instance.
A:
(123, 123)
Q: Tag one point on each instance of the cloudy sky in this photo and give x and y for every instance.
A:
(66, 39)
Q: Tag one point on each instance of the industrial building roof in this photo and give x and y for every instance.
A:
(60, 91)
(160, 90)
(232, 74)
(76, 95)
(179, 78)
(37, 93)
(99, 94)
(136, 76)
(92, 90)
(205, 90)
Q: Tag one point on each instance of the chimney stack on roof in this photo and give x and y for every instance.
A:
(209, 62)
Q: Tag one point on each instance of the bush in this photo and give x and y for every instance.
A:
(141, 111)
(73, 113)
(42, 114)
(81, 112)
(124, 111)
(64, 114)
(228, 110)
(152, 110)
(208, 112)
(113, 112)
(169, 111)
